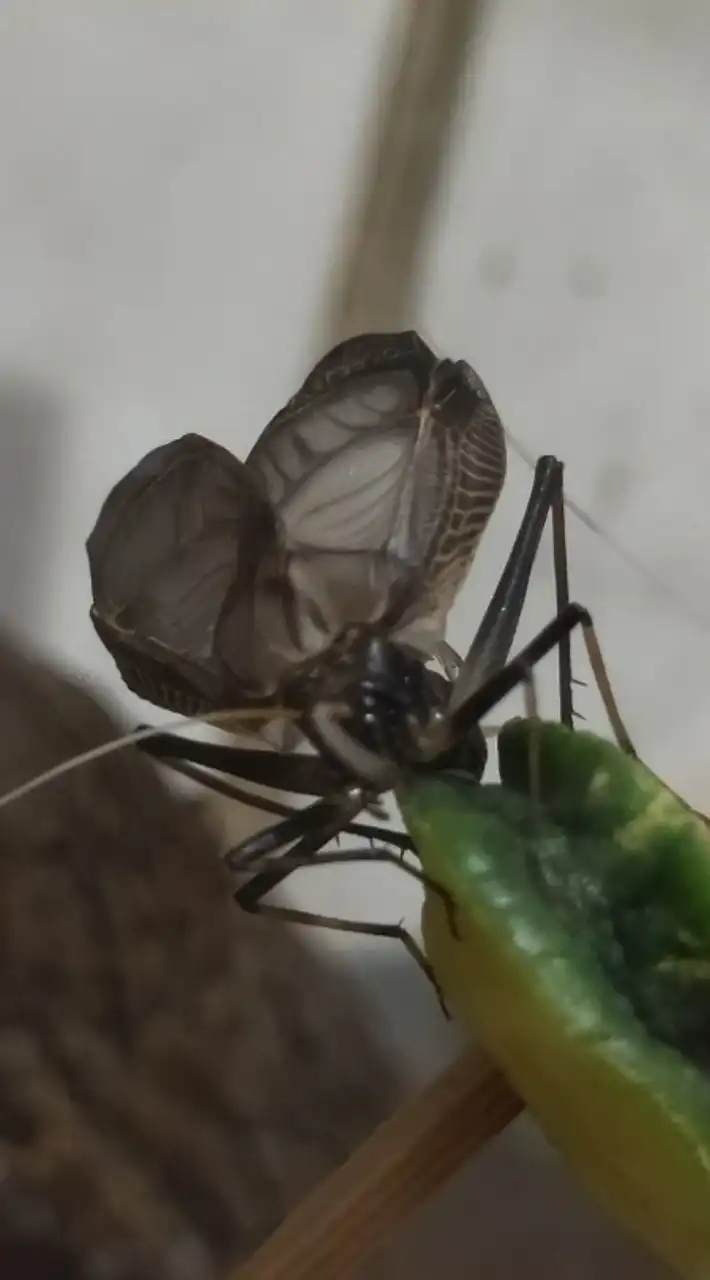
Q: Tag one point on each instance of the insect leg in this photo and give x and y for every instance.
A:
(367, 830)
(564, 649)
(320, 823)
(397, 932)
(206, 778)
(532, 714)
(492, 642)
(561, 570)
(603, 683)
(516, 672)
(324, 858)
(307, 853)
(312, 827)
(296, 822)
(299, 774)
(291, 862)
(591, 641)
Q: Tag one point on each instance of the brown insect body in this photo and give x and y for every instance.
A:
(357, 513)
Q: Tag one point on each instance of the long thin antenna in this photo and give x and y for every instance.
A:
(658, 584)
(137, 735)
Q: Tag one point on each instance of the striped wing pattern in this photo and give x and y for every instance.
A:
(471, 441)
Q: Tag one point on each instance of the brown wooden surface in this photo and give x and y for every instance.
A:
(337, 1228)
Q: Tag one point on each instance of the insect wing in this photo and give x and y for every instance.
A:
(185, 530)
(471, 467)
(393, 459)
(363, 386)
(362, 502)
(353, 471)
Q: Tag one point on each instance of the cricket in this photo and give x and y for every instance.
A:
(566, 914)
(316, 578)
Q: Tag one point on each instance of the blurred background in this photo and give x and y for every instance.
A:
(179, 185)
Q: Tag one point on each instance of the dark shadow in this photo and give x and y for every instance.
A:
(31, 420)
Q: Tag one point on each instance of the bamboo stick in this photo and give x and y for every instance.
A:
(376, 283)
(408, 1158)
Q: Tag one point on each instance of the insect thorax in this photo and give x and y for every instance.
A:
(395, 702)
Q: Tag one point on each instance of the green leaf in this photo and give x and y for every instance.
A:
(583, 963)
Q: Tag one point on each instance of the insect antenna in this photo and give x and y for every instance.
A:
(653, 580)
(128, 740)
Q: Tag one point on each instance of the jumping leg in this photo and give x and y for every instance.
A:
(250, 898)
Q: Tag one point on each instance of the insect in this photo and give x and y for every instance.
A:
(317, 576)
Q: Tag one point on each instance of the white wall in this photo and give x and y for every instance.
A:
(173, 177)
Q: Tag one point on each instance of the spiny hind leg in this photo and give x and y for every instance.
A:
(290, 862)
(621, 734)
(396, 932)
(560, 562)
(251, 898)
(603, 683)
(591, 640)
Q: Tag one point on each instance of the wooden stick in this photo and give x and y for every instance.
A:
(377, 281)
(344, 1220)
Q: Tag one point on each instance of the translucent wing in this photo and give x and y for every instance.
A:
(336, 461)
(182, 536)
(392, 459)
